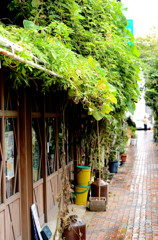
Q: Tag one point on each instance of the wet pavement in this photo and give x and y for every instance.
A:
(132, 211)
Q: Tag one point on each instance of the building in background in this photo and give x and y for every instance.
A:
(141, 108)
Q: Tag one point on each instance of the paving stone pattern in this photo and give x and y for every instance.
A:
(132, 211)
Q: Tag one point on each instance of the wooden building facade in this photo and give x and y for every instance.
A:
(31, 153)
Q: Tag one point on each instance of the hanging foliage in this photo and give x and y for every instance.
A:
(85, 42)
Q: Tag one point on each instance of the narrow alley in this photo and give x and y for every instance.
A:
(132, 211)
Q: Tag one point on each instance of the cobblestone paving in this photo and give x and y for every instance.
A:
(132, 211)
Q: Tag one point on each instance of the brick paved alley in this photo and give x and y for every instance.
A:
(133, 203)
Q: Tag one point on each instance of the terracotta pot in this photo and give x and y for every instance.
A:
(75, 230)
(123, 157)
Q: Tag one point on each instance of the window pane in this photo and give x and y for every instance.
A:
(11, 164)
(36, 150)
(51, 146)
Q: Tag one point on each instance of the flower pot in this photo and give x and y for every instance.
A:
(96, 204)
(133, 141)
(123, 157)
(113, 166)
(75, 229)
(104, 189)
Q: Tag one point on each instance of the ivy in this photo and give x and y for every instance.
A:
(85, 42)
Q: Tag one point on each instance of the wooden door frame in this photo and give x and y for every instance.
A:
(7, 203)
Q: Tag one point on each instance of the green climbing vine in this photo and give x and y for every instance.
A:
(85, 42)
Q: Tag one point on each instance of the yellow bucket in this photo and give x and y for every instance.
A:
(81, 193)
(35, 174)
(83, 175)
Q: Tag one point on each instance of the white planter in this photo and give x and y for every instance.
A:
(133, 141)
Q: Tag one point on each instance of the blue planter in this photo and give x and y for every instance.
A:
(113, 167)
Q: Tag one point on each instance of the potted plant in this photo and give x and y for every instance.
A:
(68, 226)
(98, 202)
(123, 152)
(113, 161)
(134, 139)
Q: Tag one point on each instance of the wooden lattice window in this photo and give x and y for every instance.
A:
(11, 156)
(36, 149)
(51, 145)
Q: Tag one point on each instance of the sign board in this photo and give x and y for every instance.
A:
(36, 220)
(130, 26)
(9, 153)
(10, 168)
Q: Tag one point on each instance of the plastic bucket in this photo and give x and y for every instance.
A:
(35, 173)
(81, 193)
(83, 175)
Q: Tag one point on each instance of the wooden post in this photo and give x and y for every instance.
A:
(26, 163)
(99, 158)
(3, 138)
(44, 161)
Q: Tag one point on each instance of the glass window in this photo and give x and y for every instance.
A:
(11, 163)
(51, 146)
(36, 150)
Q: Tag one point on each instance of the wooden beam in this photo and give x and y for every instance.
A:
(34, 65)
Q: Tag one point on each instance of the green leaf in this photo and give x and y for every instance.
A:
(102, 85)
(98, 115)
(112, 89)
(131, 107)
(106, 108)
(71, 93)
(135, 51)
(113, 99)
(30, 25)
(35, 3)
